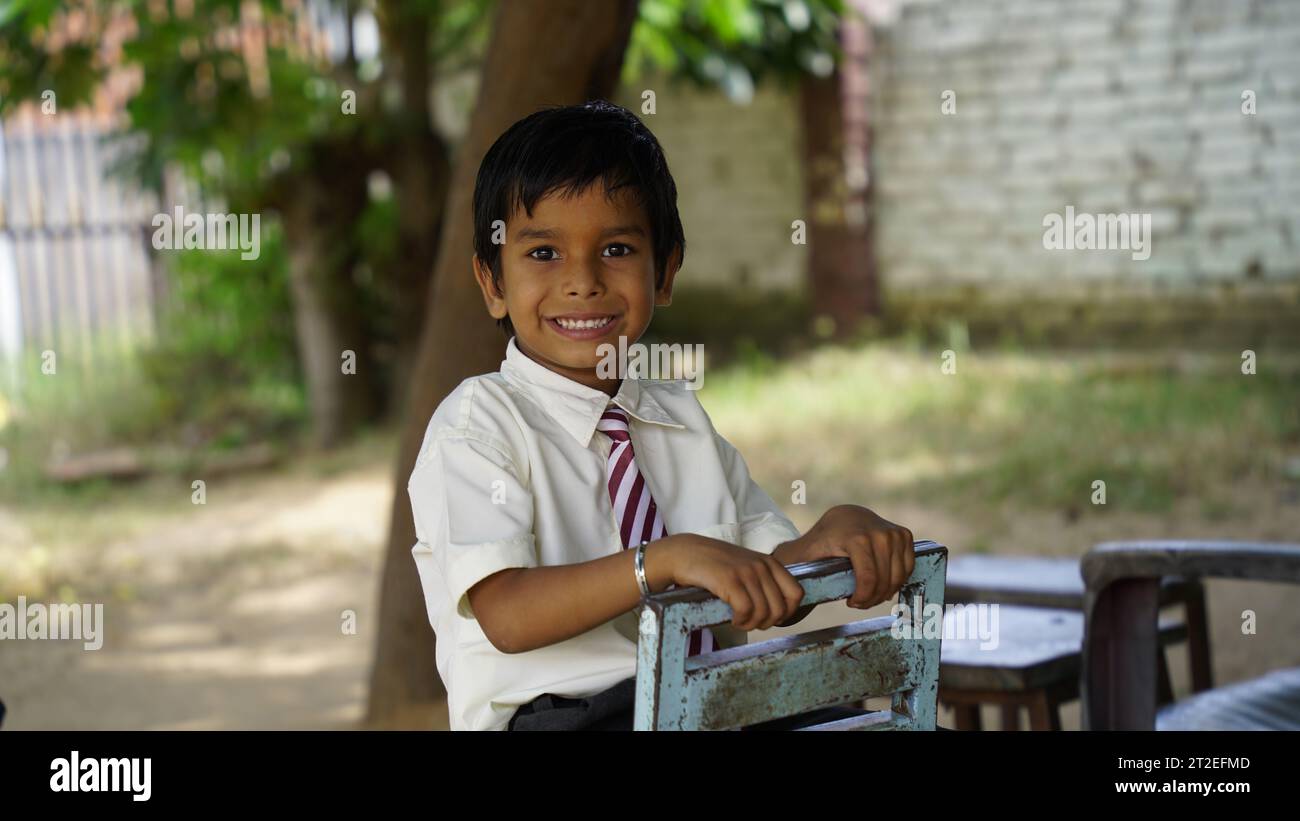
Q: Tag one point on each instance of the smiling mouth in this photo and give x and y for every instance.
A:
(583, 327)
(569, 324)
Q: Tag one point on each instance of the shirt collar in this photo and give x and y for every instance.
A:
(576, 407)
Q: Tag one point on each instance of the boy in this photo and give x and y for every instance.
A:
(537, 486)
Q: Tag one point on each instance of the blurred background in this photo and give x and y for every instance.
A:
(217, 448)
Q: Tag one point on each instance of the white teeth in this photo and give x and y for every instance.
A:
(583, 324)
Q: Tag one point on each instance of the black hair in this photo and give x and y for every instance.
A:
(564, 149)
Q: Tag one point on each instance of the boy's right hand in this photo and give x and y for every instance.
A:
(759, 589)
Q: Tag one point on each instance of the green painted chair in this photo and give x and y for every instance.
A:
(741, 686)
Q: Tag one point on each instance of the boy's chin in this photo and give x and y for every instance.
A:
(569, 353)
(578, 359)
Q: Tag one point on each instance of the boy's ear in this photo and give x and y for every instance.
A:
(494, 300)
(664, 295)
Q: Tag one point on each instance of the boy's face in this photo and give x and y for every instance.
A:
(578, 274)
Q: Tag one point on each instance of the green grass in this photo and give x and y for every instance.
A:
(879, 418)
(1009, 427)
(120, 399)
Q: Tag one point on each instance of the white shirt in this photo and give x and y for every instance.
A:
(511, 473)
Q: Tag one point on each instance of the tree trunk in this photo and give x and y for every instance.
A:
(541, 53)
(419, 165)
(421, 174)
(834, 114)
(324, 296)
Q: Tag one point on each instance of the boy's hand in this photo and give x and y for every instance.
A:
(881, 552)
(759, 589)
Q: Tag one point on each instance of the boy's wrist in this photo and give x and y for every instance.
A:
(660, 557)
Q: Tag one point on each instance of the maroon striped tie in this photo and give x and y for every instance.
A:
(634, 510)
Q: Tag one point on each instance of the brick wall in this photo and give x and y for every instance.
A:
(1105, 105)
(739, 182)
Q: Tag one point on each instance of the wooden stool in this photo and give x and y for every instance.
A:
(1036, 581)
(1035, 664)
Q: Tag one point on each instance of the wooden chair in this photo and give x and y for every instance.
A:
(1034, 665)
(741, 686)
(1120, 637)
(1047, 581)
(1038, 658)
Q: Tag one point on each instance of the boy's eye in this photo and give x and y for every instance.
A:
(546, 249)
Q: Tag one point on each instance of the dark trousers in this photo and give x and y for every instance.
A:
(612, 709)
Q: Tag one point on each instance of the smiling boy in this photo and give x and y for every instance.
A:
(536, 486)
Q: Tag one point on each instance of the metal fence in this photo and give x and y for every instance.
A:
(76, 272)
(78, 275)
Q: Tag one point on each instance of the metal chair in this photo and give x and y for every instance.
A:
(741, 686)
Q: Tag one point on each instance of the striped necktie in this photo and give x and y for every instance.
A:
(636, 513)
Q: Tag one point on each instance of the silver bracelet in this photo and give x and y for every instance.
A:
(640, 571)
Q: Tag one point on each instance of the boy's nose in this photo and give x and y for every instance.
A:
(594, 290)
(583, 280)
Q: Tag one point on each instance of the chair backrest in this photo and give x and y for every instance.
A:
(738, 686)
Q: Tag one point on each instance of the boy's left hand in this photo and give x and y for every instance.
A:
(881, 552)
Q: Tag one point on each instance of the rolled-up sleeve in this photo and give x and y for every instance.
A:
(473, 512)
(763, 527)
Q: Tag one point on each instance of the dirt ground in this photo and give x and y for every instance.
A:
(236, 618)
(236, 609)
